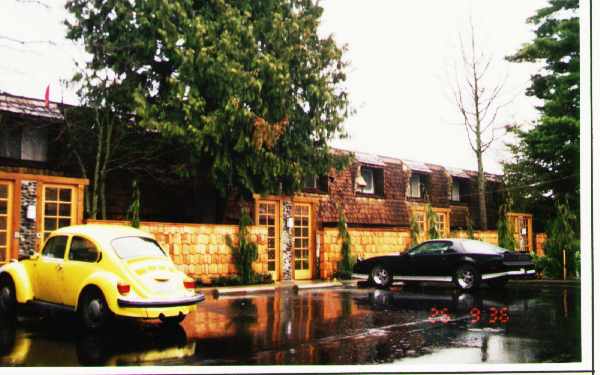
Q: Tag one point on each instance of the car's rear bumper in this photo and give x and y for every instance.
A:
(122, 302)
(512, 274)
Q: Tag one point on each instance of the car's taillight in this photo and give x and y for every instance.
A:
(123, 288)
(189, 283)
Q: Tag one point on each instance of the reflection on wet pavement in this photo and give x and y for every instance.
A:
(335, 326)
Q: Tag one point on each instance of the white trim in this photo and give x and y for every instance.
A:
(448, 278)
(422, 278)
(507, 273)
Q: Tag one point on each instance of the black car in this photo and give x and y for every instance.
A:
(465, 262)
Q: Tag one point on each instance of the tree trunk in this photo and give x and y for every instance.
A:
(95, 191)
(103, 172)
(481, 193)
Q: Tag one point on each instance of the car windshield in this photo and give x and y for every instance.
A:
(474, 246)
(133, 247)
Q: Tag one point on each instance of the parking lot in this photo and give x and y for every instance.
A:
(346, 325)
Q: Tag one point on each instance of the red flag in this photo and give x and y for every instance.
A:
(47, 97)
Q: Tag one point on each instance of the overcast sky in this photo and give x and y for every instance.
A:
(399, 53)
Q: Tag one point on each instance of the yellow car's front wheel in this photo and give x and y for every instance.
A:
(93, 310)
(8, 301)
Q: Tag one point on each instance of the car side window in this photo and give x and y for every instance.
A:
(55, 247)
(431, 248)
(83, 250)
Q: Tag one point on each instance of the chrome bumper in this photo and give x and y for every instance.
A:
(122, 302)
(360, 276)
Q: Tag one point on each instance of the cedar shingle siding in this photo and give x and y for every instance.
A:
(367, 209)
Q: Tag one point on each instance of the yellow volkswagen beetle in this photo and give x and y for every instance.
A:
(100, 271)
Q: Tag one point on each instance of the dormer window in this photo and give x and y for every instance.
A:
(315, 184)
(369, 180)
(366, 183)
(414, 186)
(455, 192)
(311, 182)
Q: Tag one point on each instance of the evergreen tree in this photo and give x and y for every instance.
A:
(249, 87)
(432, 218)
(562, 236)
(546, 157)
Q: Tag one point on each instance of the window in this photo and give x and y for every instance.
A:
(414, 186)
(367, 178)
(55, 247)
(440, 223)
(5, 220)
(83, 250)
(134, 247)
(315, 184)
(455, 192)
(58, 209)
(310, 182)
(24, 142)
(430, 248)
(370, 181)
(268, 214)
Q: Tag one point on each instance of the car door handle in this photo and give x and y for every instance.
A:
(59, 267)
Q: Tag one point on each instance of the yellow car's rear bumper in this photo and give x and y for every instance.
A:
(151, 309)
(122, 302)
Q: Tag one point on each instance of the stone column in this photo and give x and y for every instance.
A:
(286, 242)
(28, 227)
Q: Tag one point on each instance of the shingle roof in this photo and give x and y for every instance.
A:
(29, 106)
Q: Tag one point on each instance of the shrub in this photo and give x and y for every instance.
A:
(561, 236)
(344, 269)
(470, 231)
(506, 236)
(547, 266)
(432, 223)
(246, 252)
(415, 231)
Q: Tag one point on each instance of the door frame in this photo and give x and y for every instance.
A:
(313, 202)
(41, 207)
(276, 274)
(10, 220)
(311, 242)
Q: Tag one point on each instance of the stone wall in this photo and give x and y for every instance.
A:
(200, 249)
(489, 236)
(366, 242)
(28, 227)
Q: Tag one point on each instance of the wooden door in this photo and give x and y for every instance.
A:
(6, 201)
(302, 241)
(267, 214)
(59, 203)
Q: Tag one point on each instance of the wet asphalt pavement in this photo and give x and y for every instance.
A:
(521, 324)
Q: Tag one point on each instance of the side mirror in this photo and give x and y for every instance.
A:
(33, 255)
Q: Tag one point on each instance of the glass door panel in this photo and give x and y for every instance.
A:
(268, 215)
(58, 208)
(302, 241)
(5, 220)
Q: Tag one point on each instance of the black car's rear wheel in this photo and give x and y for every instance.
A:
(466, 277)
(8, 300)
(381, 277)
(497, 283)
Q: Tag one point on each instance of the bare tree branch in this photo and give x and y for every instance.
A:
(35, 2)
